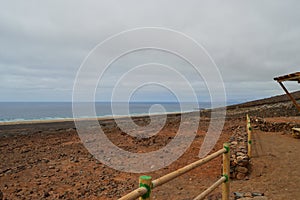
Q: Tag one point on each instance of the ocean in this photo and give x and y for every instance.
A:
(26, 111)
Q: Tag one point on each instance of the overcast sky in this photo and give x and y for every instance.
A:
(43, 43)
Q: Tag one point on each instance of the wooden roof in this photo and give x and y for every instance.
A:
(290, 77)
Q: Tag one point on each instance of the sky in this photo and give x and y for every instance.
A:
(44, 43)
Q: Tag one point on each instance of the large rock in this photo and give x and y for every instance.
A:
(244, 163)
(240, 176)
(243, 170)
(238, 195)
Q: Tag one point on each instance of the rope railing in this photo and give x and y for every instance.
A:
(146, 184)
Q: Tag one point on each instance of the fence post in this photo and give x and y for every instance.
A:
(226, 172)
(249, 132)
(146, 182)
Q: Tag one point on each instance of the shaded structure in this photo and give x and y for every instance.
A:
(290, 77)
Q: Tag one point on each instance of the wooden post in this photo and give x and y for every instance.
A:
(249, 132)
(291, 97)
(146, 182)
(226, 172)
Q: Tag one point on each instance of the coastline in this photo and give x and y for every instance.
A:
(104, 118)
(40, 112)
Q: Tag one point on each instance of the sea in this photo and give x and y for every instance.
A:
(28, 111)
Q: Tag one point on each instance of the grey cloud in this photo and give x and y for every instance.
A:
(44, 43)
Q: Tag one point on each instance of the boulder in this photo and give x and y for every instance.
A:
(243, 170)
(240, 176)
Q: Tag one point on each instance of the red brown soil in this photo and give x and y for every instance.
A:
(295, 119)
(48, 161)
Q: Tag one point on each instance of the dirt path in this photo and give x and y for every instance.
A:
(276, 167)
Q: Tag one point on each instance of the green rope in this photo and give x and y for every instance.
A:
(147, 195)
(250, 141)
(227, 178)
(250, 128)
(227, 148)
(148, 187)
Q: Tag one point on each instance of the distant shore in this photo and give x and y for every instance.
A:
(60, 120)
(56, 111)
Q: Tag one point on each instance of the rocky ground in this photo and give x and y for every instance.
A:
(49, 161)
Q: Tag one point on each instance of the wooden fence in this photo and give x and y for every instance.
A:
(146, 185)
(249, 132)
